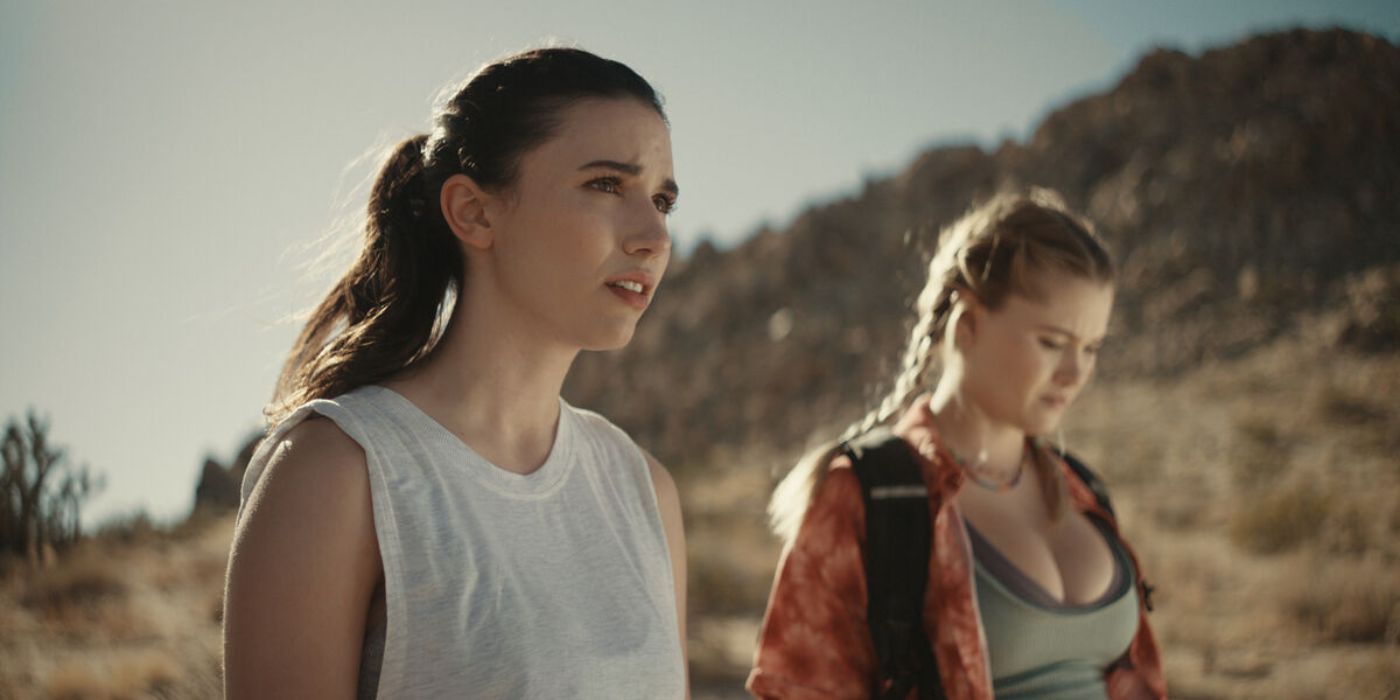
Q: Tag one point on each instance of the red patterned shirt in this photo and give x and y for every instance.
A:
(815, 642)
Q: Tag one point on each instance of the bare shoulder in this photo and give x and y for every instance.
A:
(668, 500)
(666, 493)
(304, 557)
(313, 498)
(314, 490)
(318, 440)
(314, 460)
(315, 485)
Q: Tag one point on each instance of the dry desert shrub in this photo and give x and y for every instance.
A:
(731, 553)
(141, 675)
(1351, 527)
(731, 568)
(1260, 454)
(1338, 599)
(721, 650)
(148, 674)
(132, 528)
(1372, 677)
(1206, 597)
(83, 581)
(1184, 508)
(76, 681)
(1279, 520)
(731, 556)
(94, 594)
(1341, 406)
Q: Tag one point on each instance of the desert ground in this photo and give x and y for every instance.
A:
(1262, 493)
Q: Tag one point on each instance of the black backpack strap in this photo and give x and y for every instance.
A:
(1091, 480)
(1095, 484)
(898, 542)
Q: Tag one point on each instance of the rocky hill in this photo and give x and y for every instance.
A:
(1247, 423)
(1244, 191)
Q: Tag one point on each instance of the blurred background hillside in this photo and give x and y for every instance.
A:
(1240, 190)
(1245, 405)
(1244, 415)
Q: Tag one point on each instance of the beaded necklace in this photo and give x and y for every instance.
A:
(992, 485)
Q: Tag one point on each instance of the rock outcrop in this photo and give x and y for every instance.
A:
(1241, 190)
(219, 485)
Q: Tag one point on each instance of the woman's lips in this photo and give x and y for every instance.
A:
(633, 287)
(636, 300)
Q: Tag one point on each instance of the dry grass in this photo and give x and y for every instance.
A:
(724, 511)
(1261, 493)
(1275, 549)
(1281, 519)
(1368, 673)
(1345, 600)
(1262, 496)
(731, 559)
(1260, 454)
(139, 675)
(85, 581)
(84, 596)
(124, 615)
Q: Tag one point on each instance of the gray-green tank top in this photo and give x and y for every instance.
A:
(1043, 651)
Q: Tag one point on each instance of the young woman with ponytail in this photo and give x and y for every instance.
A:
(428, 518)
(1032, 591)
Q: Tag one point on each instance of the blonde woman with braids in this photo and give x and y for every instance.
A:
(1031, 591)
(428, 518)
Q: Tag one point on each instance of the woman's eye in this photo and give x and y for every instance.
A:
(610, 185)
(664, 204)
(1049, 344)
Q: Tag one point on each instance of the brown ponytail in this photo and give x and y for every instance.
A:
(388, 303)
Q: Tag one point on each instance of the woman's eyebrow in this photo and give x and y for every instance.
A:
(632, 169)
(1056, 329)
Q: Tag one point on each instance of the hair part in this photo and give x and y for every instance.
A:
(385, 313)
(1001, 247)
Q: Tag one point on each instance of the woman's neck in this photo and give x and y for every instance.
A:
(493, 382)
(966, 430)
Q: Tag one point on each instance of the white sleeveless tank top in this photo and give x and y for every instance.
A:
(553, 584)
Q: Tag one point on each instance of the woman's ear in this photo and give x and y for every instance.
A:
(467, 208)
(967, 311)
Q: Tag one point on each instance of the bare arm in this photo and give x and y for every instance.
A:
(304, 564)
(669, 501)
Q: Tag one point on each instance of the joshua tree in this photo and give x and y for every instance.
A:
(40, 493)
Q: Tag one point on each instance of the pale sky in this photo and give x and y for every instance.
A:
(168, 169)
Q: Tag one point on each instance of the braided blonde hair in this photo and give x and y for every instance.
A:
(994, 250)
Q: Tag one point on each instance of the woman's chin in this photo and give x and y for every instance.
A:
(615, 339)
(1042, 425)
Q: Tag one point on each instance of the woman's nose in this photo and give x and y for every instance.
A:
(1071, 369)
(650, 238)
